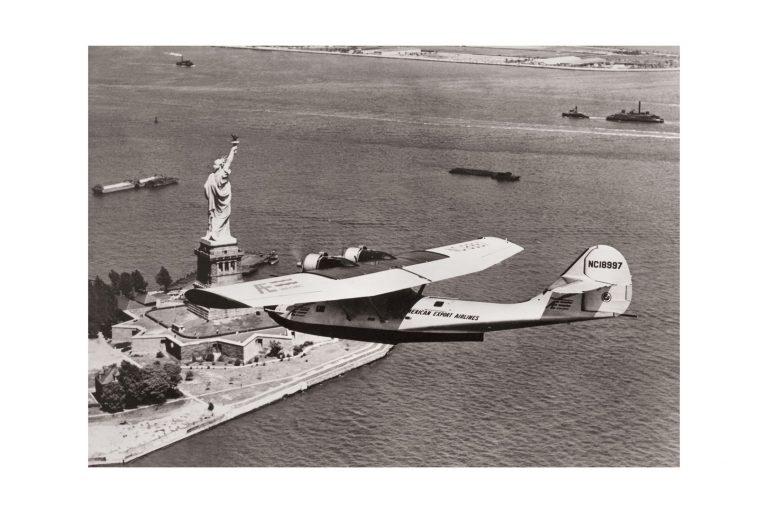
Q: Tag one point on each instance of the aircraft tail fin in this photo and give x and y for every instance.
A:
(601, 275)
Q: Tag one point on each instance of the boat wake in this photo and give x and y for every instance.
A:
(488, 125)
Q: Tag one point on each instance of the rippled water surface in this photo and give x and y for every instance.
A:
(339, 151)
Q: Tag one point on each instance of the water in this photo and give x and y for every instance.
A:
(340, 151)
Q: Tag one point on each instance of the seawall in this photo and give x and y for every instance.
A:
(300, 382)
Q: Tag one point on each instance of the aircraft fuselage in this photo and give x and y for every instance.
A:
(409, 317)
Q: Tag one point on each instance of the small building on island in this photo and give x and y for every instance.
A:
(105, 376)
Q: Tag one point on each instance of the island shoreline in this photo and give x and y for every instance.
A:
(300, 382)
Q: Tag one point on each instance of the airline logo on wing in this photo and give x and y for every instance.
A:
(467, 246)
(279, 285)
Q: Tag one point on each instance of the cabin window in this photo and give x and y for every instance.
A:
(371, 319)
(439, 303)
(320, 309)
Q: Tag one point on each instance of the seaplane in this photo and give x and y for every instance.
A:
(371, 295)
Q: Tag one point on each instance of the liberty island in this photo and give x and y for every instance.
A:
(235, 360)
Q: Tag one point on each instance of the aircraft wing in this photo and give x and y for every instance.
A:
(443, 263)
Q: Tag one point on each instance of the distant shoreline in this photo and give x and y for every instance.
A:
(457, 59)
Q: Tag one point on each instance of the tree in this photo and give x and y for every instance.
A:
(163, 278)
(156, 386)
(275, 349)
(112, 397)
(173, 374)
(126, 284)
(102, 308)
(114, 278)
(139, 283)
(131, 379)
(93, 318)
(149, 385)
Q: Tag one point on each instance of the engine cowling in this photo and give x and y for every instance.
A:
(363, 254)
(353, 253)
(321, 261)
(312, 261)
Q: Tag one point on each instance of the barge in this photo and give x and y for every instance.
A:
(155, 181)
(162, 181)
(498, 176)
(114, 187)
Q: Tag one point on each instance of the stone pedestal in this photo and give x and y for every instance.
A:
(218, 263)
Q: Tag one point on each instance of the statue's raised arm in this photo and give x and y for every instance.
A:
(232, 152)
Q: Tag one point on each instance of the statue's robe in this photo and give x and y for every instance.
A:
(219, 194)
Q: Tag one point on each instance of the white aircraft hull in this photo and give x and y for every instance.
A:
(397, 319)
(377, 302)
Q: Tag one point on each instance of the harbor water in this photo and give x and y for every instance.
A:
(338, 151)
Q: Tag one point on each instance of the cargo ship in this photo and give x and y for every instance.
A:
(155, 181)
(635, 117)
(575, 114)
(498, 176)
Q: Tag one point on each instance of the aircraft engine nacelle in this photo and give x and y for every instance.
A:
(362, 254)
(321, 261)
(353, 253)
(312, 261)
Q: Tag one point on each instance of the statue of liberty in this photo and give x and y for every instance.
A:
(218, 192)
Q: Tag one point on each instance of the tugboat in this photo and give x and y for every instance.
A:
(252, 261)
(185, 63)
(575, 114)
(635, 117)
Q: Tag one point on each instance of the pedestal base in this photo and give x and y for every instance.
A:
(218, 263)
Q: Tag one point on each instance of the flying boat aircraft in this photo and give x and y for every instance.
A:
(371, 295)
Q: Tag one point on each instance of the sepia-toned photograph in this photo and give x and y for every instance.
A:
(384, 256)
